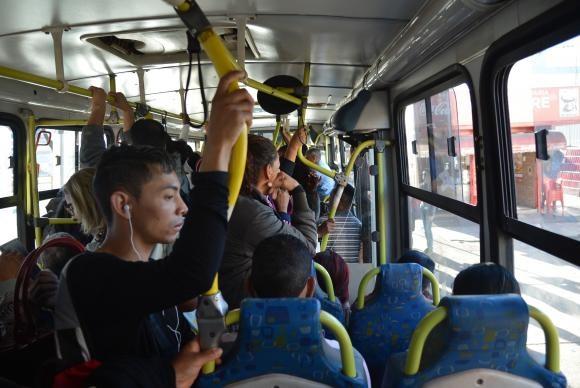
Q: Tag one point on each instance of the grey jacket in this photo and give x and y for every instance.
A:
(252, 221)
(92, 145)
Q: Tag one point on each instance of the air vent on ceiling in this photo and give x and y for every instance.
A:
(163, 46)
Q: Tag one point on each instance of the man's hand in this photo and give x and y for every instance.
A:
(294, 144)
(120, 102)
(43, 290)
(189, 362)
(98, 106)
(281, 199)
(326, 227)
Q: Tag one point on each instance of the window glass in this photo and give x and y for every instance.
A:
(440, 152)
(553, 286)
(8, 226)
(544, 95)
(6, 162)
(451, 241)
(55, 157)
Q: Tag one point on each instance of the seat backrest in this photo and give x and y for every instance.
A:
(280, 339)
(385, 325)
(25, 328)
(475, 332)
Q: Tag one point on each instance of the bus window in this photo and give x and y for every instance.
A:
(544, 94)
(440, 152)
(9, 229)
(55, 161)
(6, 161)
(451, 241)
(552, 285)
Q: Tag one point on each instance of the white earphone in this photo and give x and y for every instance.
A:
(127, 210)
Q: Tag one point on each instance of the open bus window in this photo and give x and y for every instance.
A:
(544, 94)
(55, 159)
(451, 241)
(6, 162)
(9, 229)
(440, 152)
(551, 285)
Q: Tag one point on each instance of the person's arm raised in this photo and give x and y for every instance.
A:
(98, 106)
(120, 102)
(229, 112)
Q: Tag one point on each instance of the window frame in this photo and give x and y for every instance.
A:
(527, 40)
(446, 79)
(49, 194)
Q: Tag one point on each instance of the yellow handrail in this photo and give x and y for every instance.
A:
(224, 63)
(327, 281)
(276, 92)
(346, 351)
(360, 298)
(22, 76)
(551, 335)
(32, 210)
(314, 166)
(419, 337)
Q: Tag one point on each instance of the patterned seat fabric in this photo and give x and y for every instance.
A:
(282, 336)
(385, 325)
(479, 332)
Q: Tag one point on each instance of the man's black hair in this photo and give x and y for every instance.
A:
(280, 267)
(485, 279)
(127, 168)
(148, 132)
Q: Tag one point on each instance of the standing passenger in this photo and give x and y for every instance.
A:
(255, 219)
(124, 302)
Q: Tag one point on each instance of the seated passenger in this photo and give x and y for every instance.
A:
(82, 205)
(485, 279)
(339, 273)
(254, 218)
(418, 257)
(281, 268)
(124, 302)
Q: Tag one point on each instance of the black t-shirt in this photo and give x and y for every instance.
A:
(121, 304)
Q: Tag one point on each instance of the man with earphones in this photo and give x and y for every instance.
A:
(115, 302)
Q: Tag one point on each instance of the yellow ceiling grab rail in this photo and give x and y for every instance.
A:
(38, 80)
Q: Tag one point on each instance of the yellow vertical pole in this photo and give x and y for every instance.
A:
(277, 131)
(306, 83)
(31, 170)
(113, 89)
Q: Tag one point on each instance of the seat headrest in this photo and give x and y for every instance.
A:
(489, 313)
(291, 323)
(400, 279)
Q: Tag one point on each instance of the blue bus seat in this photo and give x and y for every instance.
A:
(280, 343)
(478, 338)
(385, 325)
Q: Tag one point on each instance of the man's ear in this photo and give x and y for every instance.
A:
(118, 201)
(310, 287)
